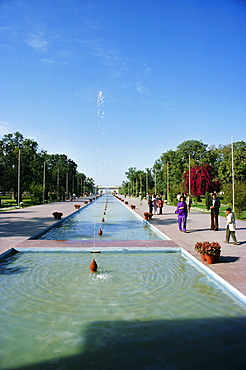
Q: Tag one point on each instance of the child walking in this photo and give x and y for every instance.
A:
(230, 226)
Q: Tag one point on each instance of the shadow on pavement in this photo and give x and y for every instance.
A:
(166, 221)
(197, 230)
(23, 227)
(228, 259)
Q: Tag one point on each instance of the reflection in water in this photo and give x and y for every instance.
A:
(5, 269)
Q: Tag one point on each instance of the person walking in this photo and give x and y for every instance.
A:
(160, 206)
(230, 226)
(181, 210)
(188, 202)
(215, 210)
(150, 203)
(154, 201)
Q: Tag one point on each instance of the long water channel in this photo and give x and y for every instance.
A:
(120, 223)
(141, 310)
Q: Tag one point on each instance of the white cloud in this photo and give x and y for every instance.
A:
(54, 62)
(38, 41)
(146, 67)
(141, 89)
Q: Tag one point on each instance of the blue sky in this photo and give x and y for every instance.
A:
(114, 84)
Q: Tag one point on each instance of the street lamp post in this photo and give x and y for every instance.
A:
(155, 181)
(147, 190)
(84, 187)
(18, 197)
(58, 185)
(67, 185)
(232, 172)
(44, 183)
(189, 174)
(167, 181)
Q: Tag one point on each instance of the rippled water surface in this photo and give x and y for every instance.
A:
(120, 224)
(56, 311)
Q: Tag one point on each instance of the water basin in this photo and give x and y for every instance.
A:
(140, 310)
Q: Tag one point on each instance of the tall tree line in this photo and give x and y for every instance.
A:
(193, 167)
(25, 168)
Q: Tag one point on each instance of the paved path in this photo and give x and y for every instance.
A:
(232, 266)
(18, 225)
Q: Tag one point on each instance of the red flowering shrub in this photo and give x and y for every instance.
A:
(202, 180)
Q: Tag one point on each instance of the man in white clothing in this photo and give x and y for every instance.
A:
(230, 226)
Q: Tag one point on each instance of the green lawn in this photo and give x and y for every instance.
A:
(8, 202)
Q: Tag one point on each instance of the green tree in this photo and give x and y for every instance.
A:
(80, 183)
(174, 163)
(89, 185)
(168, 170)
(171, 174)
(225, 162)
(193, 149)
(61, 174)
(138, 181)
(13, 147)
(56, 171)
(36, 193)
(240, 197)
(208, 200)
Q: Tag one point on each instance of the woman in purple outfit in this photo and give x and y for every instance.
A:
(181, 210)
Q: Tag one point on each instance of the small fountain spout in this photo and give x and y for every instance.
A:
(93, 265)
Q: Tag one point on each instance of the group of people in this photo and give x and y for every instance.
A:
(183, 208)
(155, 204)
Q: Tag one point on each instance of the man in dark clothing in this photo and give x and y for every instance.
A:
(215, 209)
(150, 204)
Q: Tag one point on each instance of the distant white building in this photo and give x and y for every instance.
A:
(102, 189)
